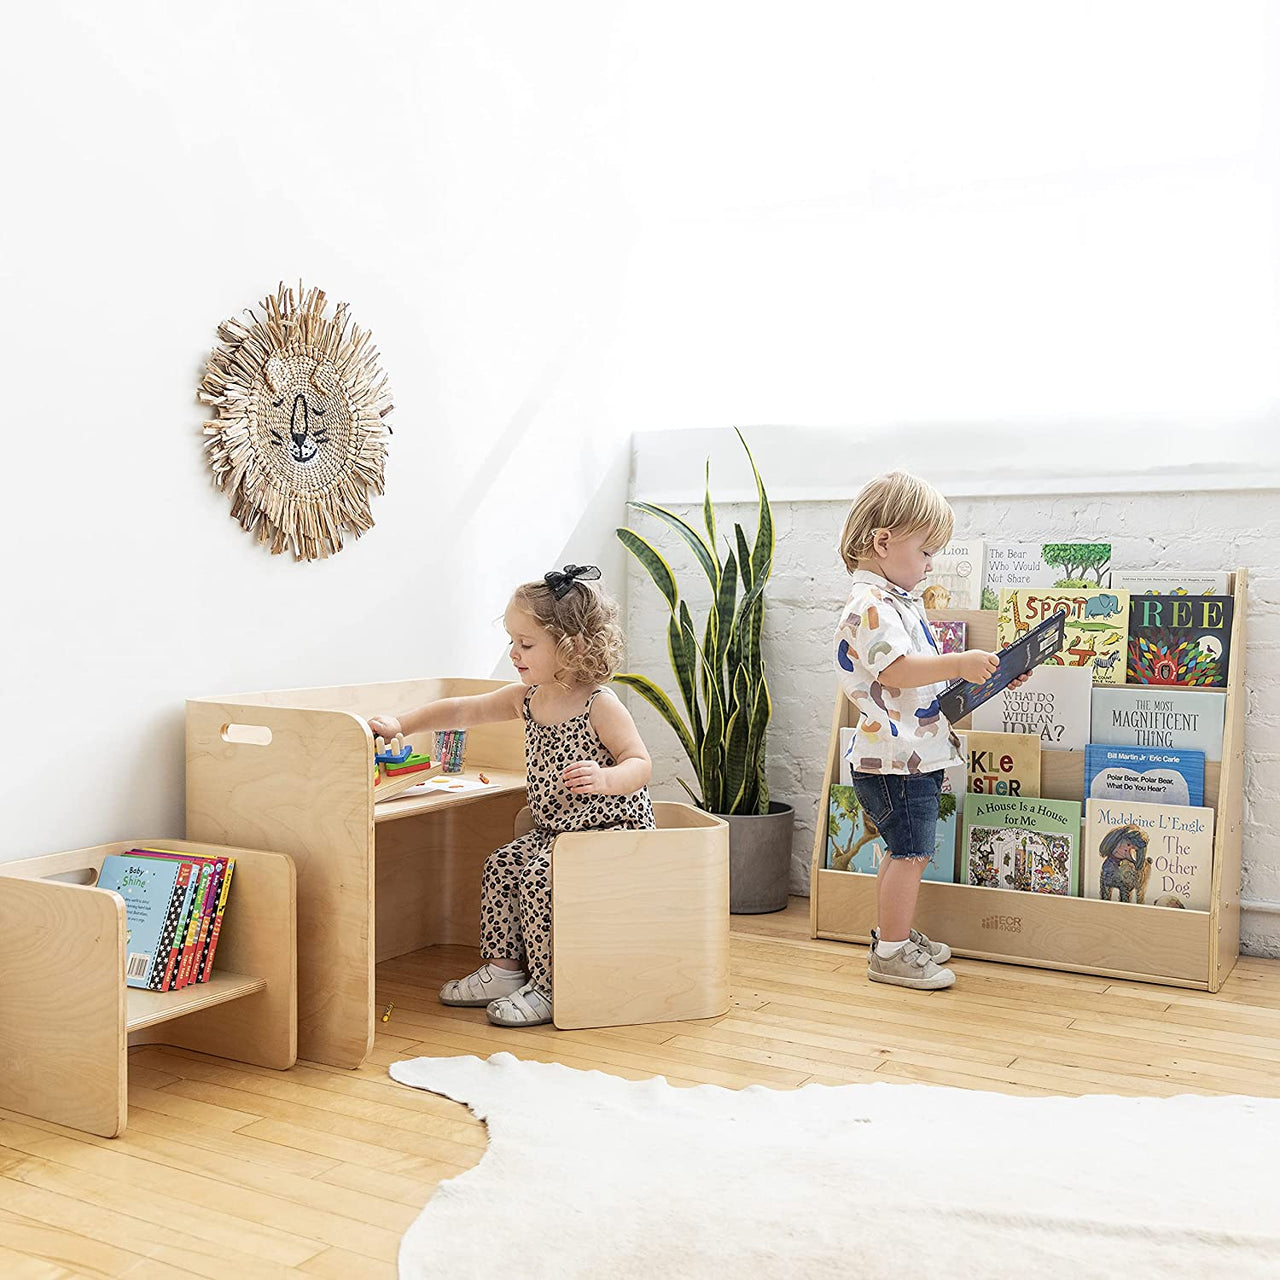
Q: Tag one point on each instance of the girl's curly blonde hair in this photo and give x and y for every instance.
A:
(584, 625)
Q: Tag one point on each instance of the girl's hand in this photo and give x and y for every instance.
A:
(1022, 679)
(585, 778)
(384, 727)
(976, 665)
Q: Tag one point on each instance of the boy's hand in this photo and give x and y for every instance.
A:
(384, 727)
(584, 778)
(977, 665)
(1022, 679)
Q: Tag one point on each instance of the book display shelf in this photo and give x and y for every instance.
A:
(67, 1019)
(1147, 943)
(293, 770)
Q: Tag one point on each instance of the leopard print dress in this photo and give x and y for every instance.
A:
(515, 901)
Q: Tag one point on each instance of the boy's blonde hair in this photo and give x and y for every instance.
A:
(584, 625)
(903, 504)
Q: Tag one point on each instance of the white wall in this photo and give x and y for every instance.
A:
(453, 175)
(565, 223)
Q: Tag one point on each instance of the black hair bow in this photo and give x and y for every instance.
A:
(559, 583)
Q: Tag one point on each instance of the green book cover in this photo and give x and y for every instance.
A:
(1031, 844)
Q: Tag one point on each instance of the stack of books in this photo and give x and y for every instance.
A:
(174, 905)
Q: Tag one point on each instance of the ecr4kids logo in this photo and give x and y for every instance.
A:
(1003, 924)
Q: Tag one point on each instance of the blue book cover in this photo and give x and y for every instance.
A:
(854, 843)
(1040, 643)
(152, 899)
(1145, 775)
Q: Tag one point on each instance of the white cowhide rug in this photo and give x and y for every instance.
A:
(588, 1175)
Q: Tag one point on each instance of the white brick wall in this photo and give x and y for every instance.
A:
(1190, 530)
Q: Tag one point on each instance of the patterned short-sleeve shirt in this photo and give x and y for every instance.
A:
(899, 730)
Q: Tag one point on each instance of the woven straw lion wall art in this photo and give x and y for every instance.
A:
(299, 436)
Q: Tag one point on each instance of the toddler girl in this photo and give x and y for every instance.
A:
(587, 770)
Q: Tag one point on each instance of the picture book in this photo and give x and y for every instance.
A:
(1149, 775)
(955, 581)
(1171, 582)
(1139, 716)
(197, 912)
(153, 891)
(1031, 845)
(949, 636)
(198, 905)
(1002, 764)
(207, 912)
(854, 843)
(215, 929)
(1180, 640)
(169, 982)
(1053, 706)
(1011, 565)
(1097, 626)
(1150, 855)
(846, 765)
(1038, 645)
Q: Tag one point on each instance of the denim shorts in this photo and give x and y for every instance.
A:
(904, 807)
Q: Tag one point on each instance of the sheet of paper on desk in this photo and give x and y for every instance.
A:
(447, 782)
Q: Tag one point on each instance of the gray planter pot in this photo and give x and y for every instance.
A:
(759, 859)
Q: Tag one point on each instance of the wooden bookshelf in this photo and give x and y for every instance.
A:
(1150, 944)
(67, 1019)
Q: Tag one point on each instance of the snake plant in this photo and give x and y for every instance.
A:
(718, 667)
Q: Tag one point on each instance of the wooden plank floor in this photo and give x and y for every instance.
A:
(228, 1170)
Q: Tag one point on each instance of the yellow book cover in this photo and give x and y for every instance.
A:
(1002, 764)
(1097, 626)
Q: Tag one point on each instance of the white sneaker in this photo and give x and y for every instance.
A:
(478, 989)
(910, 966)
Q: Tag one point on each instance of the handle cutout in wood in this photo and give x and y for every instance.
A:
(80, 875)
(249, 735)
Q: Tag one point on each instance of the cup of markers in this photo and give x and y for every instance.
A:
(451, 746)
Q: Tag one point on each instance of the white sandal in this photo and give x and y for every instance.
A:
(482, 987)
(527, 1007)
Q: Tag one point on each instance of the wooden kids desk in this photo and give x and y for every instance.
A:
(292, 770)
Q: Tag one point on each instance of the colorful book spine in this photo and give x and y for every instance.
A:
(206, 917)
(188, 877)
(184, 938)
(193, 926)
(206, 964)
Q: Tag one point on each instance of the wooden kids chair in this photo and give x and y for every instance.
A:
(640, 921)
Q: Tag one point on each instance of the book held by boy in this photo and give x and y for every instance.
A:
(961, 697)
(1148, 854)
(1030, 845)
